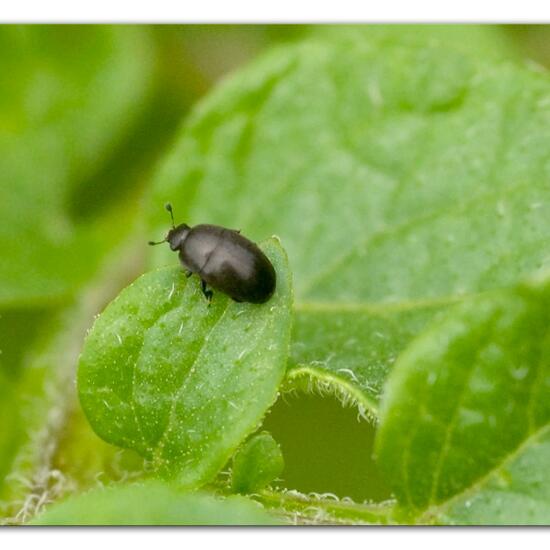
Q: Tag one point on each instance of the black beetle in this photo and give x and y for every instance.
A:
(223, 259)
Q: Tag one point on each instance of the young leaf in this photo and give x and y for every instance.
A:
(179, 381)
(256, 464)
(465, 424)
(152, 503)
(403, 172)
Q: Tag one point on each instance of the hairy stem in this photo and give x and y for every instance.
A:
(49, 390)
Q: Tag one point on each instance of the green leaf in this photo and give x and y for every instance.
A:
(159, 504)
(71, 95)
(403, 172)
(484, 41)
(257, 463)
(180, 382)
(465, 424)
(349, 349)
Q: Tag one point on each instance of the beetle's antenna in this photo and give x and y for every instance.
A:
(168, 207)
(153, 243)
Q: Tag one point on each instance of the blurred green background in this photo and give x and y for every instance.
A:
(85, 114)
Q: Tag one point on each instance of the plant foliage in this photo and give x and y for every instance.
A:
(405, 172)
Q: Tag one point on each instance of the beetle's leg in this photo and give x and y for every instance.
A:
(188, 273)
(207, 293)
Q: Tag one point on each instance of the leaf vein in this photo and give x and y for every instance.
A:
(162, 440)
(430, 513)
(408, 224)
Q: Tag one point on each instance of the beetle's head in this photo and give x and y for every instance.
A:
(176, 235)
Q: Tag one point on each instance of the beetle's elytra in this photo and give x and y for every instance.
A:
(224, 260)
